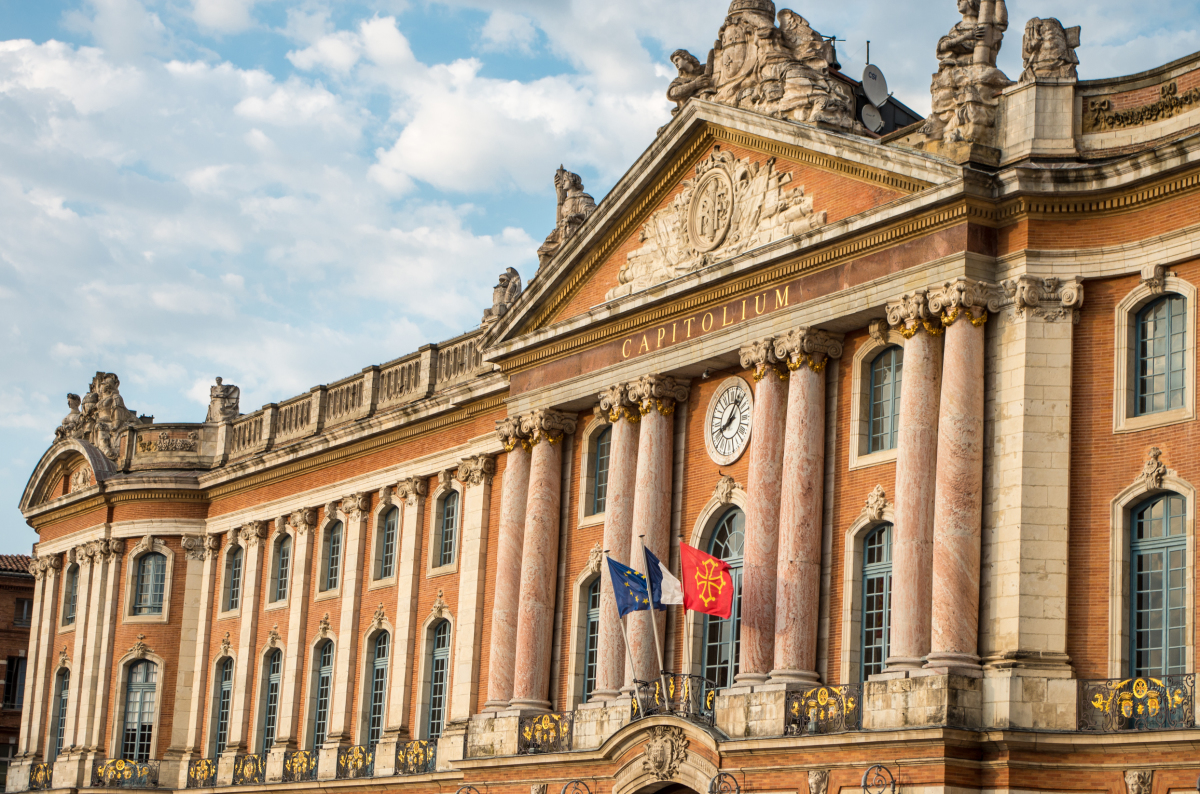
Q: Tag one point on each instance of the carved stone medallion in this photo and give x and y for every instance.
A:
(665, 751)
(711, 211)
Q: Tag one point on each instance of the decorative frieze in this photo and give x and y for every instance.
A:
(808, 347)
(661, 392)
(477, 470)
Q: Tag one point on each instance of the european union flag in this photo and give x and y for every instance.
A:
(629, 587)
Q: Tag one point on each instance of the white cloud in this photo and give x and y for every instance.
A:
(506, 31)
(223, 16)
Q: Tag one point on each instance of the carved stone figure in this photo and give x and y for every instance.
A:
(81, 479)
(1154, 471)
(1048, 50)
(818, 781)
(723, 493)
(504, 295)
(224, 402)
(876, 503)
(966, 90)
(595, 559)
(1138, 781)
(666, 750)
(574, 208)
(100, 417)
(730, 206)
(71, 421)
(781, 71)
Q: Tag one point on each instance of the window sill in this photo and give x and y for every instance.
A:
(444, 570)
(68, 629)
(275, 606)
(1134, 424)
(328, 595)
(873, 459)
(594, 520)
(17, 625)
(379, 584)
(230, 614)
(146, 618)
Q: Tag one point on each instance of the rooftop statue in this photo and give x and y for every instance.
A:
(100, 417)
(1048, 51)
(223, 402)
(966, 90)
(574, 207)
(504, 295)
(781, 71)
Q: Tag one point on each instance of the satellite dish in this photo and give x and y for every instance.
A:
(872, 118)
(875, 86)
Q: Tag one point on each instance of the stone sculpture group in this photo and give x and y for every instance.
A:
(100, 416)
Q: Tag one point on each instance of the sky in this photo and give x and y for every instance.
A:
(282, 192)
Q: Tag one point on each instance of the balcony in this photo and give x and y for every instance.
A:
(41, 777)
(691, 697)
(824, 710)
(249, 770)
(202, 773)
(545, 733)
(355, 763)
(1137, 704)
(123, 773)
(416, 757)
(300, 766)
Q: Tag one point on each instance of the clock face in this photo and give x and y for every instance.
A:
(730, 414)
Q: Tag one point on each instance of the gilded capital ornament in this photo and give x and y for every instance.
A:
(911, 314)
(547, 424)
(511, 434)
(477, 470)
(616, 404)
(808, 347)
(964, 298)
(763, 358)
(658, 391)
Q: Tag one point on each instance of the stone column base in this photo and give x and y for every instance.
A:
(530, 706)
(922, 701)
(804, 678)
(1037, 693)
(327, 761)
(385, 755)
(492, 734)
(595, 721)
(743, 713)
(452, 745)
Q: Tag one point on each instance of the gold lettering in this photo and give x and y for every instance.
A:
(689, 322)
(625, 348)
(662, 334)
(645, 345)
(743, 308)
(725, 317)
(673, 329)
(706, 322)
(763, 308)
(782, 300)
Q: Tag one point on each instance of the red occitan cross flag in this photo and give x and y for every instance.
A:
(707, 583)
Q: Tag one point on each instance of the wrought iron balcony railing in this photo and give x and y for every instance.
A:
(355, 762)
(202, 773)
(689, 696)
(250, 770)
(824, 709)
(416, 757)
(545, 733)
(122, 773)
(300, 766)
(41, 777)
(1137, 704)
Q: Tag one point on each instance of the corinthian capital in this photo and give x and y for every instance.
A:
(658, 391)
(356, 506)
(1049, 298)
(412, 489)
(762, 357)
(964, 298)
(808, 347)
(911, 313)
(252, 533)
(477, 470)
(302, 520)
(547, 424)
(615, 403)
(510, 433)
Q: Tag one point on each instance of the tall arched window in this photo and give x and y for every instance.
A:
(324, 692)
(1161, 355)
(1158, 573)
(60, 712)
(593, 640)
(387, 544)
(70, 596)
(224, 698)
(139, 711)
(331, 577)
(151, 584)
(271, 707)
(876, 600)
(600, 489)
(886, 372)
(379, 674)
(233, 578)
(448, 529)
(283, 569)
(439, 668)
(722, 637)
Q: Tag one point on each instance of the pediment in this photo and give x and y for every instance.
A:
(68, 467)
(718, 183)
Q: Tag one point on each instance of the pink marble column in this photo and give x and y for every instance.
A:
(762, 515)
(514, 496)
(958, 515)
(916, 470)
(618, 532)
(539, 559)
(801, 509)
(657, 396)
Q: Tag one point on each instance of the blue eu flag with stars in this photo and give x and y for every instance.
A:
(629, 587)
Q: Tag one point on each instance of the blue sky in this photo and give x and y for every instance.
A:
(281, 192)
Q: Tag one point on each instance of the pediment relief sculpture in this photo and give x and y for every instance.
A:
(574, 208)
(780, 70)
(731, 205)
(100, 416)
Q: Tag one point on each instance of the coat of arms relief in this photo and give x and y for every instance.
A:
(731, 205)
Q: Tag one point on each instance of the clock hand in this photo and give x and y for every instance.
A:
(729, 421)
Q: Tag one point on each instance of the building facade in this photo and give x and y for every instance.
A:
(930, 394)
(16, 617)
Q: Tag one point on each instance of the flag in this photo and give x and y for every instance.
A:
(629, 587)
(664, 588)
(707, 583)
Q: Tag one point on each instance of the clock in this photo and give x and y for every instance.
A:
(728, 422)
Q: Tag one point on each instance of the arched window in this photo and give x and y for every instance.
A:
(1158, 574)
(233, 578)
(876, 600)
(1161, 355)
(593, 641)
(224, 697)
(70, 595)
(332, 575)
(60, 712)
(379, 674)
(283, 569)
(600, 488)
(439, 667)
(386, 566)
(139, 711)
(722, 637)
(885, 398)
(324, 691)
(271, 707)
(151, 584)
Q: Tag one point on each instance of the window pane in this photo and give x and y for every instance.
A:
(387, 561)
(1158, 588)
(722, 636)
(600, 499)
(283, 569)
(1161, 346)
(593, 641)
(437, 690)
(876, 601)
(333, 557)
(885, 399)
(449, 532)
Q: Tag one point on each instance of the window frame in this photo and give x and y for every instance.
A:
(321, 693)
(233, 579)
(70, 598)
(709, 621)
(222, 705)
(896, 363)
(379, 674)
(1176, 307)
(327, 559)
(597, 427)
(132, 560)
(120, 739)
(280, 584)
(59, 707)
(871, 571)
(25, 620)
(387, 536)
(1165, 546)
(271, 689)
(1126, 362)
(869, 349)
(591, 641)
(432, 708)
(15, 671)
(448, 504)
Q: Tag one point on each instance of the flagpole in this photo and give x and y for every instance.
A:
(632, 666)
(654, 621)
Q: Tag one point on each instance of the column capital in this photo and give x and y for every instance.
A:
(195, 547)
(911, 313)
(1048, 298)
(356, 505)
(547, 424)
(616, 403)
(763, 356)
(477, 469)
(302, 520)
(808, 347)
(511, 434)
(252, 533)
(963, 298)
(412, 489)
(658, 391)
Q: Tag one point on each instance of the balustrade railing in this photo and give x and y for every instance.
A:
(458, 360)
(247, 433)
(345, 400)
(202, 773)
(300, 766)
(399, 381)
(355, 762)
(249, 770)
(689, 696)
(293, 418)
(824, 709)
(545, 733)
(416, 757)
(41, 777)
(122, 773)
(1137, 704)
